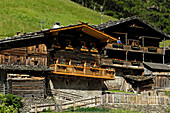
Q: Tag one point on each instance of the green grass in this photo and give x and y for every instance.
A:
(118, 91)
(167, 93)
(26, 15)
(97, 110)
(167, 43)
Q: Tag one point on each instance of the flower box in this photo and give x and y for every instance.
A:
(94, 51)
(94, 68)
(135, 47)
(84, 50)
(117, 45)
(110, 70)
(57, 47)
(117, 61)
(79, 66)
(69, 48)
(62, 65)
(135, 63)
(152, 49)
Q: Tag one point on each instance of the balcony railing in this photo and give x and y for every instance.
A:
(122, 64)
(137, 49)
(63, 69)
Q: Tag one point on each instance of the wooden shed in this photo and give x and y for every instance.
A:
(160, 72)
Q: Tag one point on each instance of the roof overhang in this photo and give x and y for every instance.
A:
(157, 67)
(110, 23)
(88, 30)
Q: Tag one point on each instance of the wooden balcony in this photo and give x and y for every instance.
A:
(82, 71)
(124, 64)
(137, 49)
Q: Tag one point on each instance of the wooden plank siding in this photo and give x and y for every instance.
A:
(26, 87)
(25, 55)
(161, 82)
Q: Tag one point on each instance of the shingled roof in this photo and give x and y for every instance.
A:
(110, 23)
(157, 66)
(138, 78)
(34, 68)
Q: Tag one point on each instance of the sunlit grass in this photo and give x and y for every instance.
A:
(26, 15)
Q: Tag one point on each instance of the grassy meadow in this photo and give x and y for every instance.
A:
(26, 15)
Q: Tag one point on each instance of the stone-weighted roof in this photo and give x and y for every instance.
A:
(110, 23)
(138, 78)
(25, 68)
(157, 66)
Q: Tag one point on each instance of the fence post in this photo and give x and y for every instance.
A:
(107, 98)
(113, 98)
(35, 108)
(60, 108)
(74, 104)
(59, 94)
(102, 99)
(136, 99)
(95, 100)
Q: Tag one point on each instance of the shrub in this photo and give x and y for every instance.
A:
(9, 103)
(92, 109)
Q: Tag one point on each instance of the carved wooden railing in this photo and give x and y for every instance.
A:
(83, 71)
(137, 49)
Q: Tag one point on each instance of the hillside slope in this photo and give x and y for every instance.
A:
(26, 15)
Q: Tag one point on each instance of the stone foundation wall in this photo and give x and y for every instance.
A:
(76, 87)
(27, 102)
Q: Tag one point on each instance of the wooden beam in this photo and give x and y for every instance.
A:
(151, 37)
(90, 76)
(120, 33)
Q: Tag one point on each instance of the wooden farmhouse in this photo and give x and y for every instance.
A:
(63, 61)
(76, 61)
(140, 43)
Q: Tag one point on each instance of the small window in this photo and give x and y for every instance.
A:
(37, 46)
(67, 82)
(83, 43)
(88, 83)
(68, 62)
(35, 62)
(68, 42)
(92, 44)
(6, 60)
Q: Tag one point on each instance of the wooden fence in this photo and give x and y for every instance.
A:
(60, 105)
(134, 99)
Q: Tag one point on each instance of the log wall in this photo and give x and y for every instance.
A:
(27, 87)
